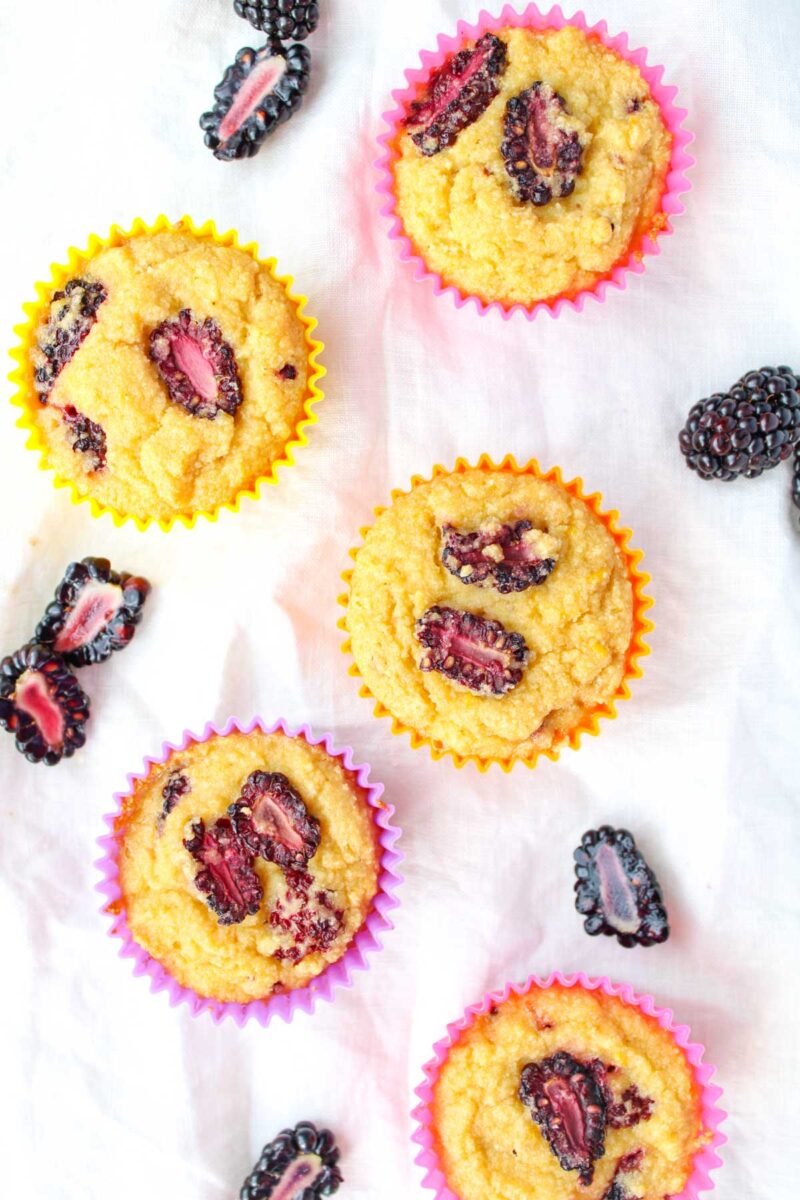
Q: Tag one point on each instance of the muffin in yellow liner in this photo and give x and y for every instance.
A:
(300, 414)
(614, 569)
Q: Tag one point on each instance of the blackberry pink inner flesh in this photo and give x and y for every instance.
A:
(457, 95)
(542, 153)
(96, 607)
(474, 651)
(197, 365)
(510, 558)
(616, 891)
(272, 820)
(262, 80)
(226, 877)
(298, 1176)
(567, 1104)
(33, 696)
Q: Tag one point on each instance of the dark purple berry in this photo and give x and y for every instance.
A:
(42, 703)
(476, 652)
(299, 1164)
(258, 92)
(542, 153)
(457, 94)
(287, 372)
(177, 786)
(306, 916)
(745, 431)
(73, 312)
(95, 612)
(567, 1104)
(87, 437)
(616, 891)
(628, 1162)
(280, 20)
(273, 822)
(796, 476)
(509, 558)
(227, 877)
(197, 365)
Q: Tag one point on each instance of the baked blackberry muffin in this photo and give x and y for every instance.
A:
(531, 163)
(247, 864)
(566, 1094)
(167, 374)
(490, 611)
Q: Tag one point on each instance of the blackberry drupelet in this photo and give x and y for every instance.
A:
(280, 20)
(747, 430)
(42, 704)
(299, 1162)
(257, 93)
(95, 612)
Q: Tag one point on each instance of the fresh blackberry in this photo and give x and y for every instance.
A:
(747, 430)
(42, 704)
(457, 94)
(616, 891)
(299, 1164)
(95, 612)
(280, 20)
(258, 92)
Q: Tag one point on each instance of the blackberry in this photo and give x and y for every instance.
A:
(258, 92)
(177, 786)
(745, 431)
(280, 20)
(227, 877)
(95, 612)
(567, 1103)
(42, 704)
(457, 94)
(542, 152)
(272, 821)
(73, 312)
(197, 365)
(308, 916)
(476, 652)
(299, 1164)
(616, 891)
(87, 437)
(796, 476)
(509, 558)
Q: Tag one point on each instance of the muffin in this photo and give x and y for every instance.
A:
(530, 164)
(566, 1094)
(491, 611)
(166, 372)
(248, 863)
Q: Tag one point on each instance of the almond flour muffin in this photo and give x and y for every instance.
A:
(489, 611)
(530, 165)
(247, 864)
(168, 375)
(566, 1094)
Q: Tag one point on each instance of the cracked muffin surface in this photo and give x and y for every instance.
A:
(577, 624)
(461, 207)
(306, 918)
(158, 458)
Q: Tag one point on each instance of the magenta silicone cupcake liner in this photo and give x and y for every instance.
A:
(338, 974)
(705, 1161)
(675, 184)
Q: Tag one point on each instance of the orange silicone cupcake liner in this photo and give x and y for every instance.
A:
(637, 650)
(26, 398)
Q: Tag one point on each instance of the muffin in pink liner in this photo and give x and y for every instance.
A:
(482, 207)
(250, 870)
(622, 1099)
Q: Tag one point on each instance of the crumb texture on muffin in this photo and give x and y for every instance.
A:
(577, 624)
(459, 207)
(490, 1148)
(158, 459)
(169, 917)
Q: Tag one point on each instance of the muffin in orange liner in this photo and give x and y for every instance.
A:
(27, 399)
(589, 719)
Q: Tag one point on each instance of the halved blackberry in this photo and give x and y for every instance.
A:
(747, 430)
(476, 652)
(567, 1103)
(73, 312)
(95, 612)
(196, 363)
(542, 152)
(42, 704)
(457, 94)
(280, 20)
(259, 91)
(510, 558)
(616, 891)
(272, 821)
(299, 1164)
(227, 877)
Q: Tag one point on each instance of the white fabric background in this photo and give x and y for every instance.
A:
(106, 1089)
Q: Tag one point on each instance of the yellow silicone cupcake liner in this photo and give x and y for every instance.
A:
(637, 650)
(26, 399)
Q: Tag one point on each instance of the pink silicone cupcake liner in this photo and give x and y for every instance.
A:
(675, 184)
(705, 1161)
(338, 974)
